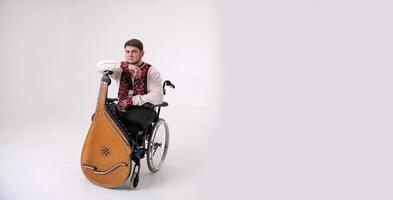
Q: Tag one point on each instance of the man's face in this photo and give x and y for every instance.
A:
(132, 54)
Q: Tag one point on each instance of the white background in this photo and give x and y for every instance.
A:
(49, 51)
(274, 99)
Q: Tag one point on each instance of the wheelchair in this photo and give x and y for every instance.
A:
(149, 140)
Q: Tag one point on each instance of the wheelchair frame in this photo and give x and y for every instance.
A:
(143, 144)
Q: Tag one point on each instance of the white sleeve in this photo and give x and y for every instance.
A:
(111, 65)
(154, 94)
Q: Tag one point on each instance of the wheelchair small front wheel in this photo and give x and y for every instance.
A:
(157, 146)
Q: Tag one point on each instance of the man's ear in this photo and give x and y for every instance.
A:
(142, 53)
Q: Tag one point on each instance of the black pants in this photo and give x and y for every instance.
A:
(139, 116)
(136, 119)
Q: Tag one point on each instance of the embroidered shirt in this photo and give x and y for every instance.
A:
(147, 88)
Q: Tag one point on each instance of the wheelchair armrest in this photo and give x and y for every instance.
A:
(164, 104)
(149, 105)
(111, 100)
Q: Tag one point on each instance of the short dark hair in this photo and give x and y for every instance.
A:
(134, 43)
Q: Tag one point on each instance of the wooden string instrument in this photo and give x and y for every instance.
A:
(106, 154)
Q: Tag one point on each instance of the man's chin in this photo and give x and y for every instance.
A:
(133, 62)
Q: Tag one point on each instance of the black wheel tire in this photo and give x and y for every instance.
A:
(136, 181)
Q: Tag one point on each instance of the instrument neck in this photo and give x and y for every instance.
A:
(102, 95)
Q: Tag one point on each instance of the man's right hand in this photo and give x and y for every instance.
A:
(134, 70)
(122, 104)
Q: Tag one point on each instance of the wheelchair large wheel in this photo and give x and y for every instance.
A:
(157, 146)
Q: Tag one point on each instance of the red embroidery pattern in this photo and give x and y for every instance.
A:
(125, 85)
(140, 84)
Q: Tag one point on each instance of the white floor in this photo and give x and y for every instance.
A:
(43, 162)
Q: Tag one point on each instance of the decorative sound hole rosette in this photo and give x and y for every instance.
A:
(105, 151)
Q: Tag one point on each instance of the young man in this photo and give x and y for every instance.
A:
(138, 82)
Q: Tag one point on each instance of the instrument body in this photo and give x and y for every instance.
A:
(106, 154)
